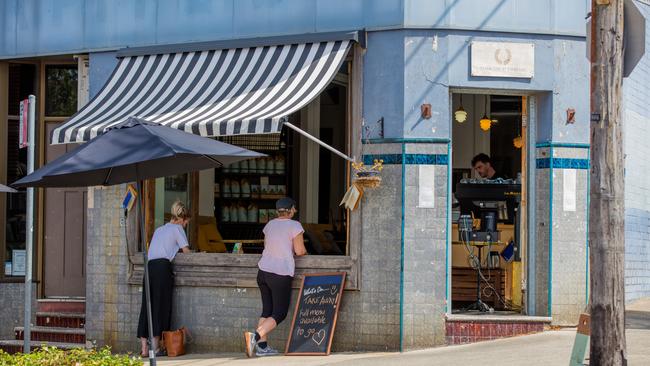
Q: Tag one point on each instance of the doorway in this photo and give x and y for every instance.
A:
(489, 209)
(64, 209)
(65, 234)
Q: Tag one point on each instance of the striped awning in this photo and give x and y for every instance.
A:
(211, 91)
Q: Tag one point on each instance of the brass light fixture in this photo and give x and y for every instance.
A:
(518, 141)
(460, 115)
(485, 122)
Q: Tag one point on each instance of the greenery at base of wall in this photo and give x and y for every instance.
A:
(52, 356)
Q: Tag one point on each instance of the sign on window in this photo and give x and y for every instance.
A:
(24, 113)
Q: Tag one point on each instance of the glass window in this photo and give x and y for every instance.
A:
(245, 193)
(60, 90)
(168, 190)
(21, 83)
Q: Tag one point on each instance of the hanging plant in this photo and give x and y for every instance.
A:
(368, 177)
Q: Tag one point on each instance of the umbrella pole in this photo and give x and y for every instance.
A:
(152, 351)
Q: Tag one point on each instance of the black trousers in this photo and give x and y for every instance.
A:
(276, 295)
(161, 285)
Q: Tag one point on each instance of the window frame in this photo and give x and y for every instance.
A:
(4, 111)
(240, 270)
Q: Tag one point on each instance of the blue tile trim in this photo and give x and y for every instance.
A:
(562, 163)
(409, 159)
(448, 235)
(549, 299)
(431, 140)
(402, 243)
(562, 144)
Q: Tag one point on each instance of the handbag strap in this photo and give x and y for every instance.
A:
(188, 336)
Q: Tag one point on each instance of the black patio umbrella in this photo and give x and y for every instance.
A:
(6, 189)
(133, 151)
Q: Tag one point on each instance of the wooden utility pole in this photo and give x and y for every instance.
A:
(606, 210)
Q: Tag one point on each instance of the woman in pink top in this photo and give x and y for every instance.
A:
(283, 239)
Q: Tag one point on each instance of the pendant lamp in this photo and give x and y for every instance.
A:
(460, 115)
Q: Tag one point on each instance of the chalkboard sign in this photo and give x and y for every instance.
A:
(314, 318)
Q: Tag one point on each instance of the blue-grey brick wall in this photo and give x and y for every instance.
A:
(637, 181)
(12, 300)
(217, 317)
(425, 243)
(569, 249)
(542, 236)
(111, 318)
(561, 235)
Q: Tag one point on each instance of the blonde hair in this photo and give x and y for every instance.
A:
(180, 211)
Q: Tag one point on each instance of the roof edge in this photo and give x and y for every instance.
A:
(358, 36)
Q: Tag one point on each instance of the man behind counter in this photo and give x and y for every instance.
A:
(482, 164)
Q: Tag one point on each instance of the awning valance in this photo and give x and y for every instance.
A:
(210, 92)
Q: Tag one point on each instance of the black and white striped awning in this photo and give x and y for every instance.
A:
(210, 90)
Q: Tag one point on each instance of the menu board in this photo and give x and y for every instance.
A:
(314, 318)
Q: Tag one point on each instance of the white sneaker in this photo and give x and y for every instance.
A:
(268, 351)
(250, 343)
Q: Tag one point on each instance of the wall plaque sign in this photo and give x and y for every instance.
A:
(503, 59)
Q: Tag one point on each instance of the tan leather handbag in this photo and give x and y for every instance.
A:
(174, 341)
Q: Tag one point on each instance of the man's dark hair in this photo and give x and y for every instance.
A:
(483, 158)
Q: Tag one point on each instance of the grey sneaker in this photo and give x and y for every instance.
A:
(249, 339)
(268, 351)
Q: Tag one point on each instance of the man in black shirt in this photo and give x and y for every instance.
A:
(483, 166)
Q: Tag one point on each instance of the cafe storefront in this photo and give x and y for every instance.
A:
(407, 274)
(240, 92)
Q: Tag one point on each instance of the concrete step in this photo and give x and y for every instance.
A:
(64, 305)
(16, 346)
(54, 334)
(60, 319)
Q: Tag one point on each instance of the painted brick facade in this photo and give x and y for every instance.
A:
(12, 298)
(562, 234)
(637, 181)
(217, 317)
(425, 241)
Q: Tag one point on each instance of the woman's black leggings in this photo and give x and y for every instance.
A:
(276, 295)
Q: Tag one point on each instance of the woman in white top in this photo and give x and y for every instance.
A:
(283, 239)
(167, 240)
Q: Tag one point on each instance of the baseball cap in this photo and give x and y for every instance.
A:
(285, 203)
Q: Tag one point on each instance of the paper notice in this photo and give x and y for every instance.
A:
(91, 197)
(352, 197)
(569, 190)
(426, 187)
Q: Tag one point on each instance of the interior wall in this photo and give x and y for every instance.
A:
(4, 111)
(333, 116)
(468, 138)
(206, 192)
(309, 163)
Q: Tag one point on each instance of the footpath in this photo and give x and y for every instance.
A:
(548, 348)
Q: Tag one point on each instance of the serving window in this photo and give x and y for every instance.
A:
(232, 204)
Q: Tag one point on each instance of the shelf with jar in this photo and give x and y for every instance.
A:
(234, 188)
(245, 192)
(246, 213)
(269, 165)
